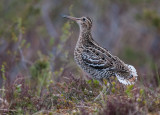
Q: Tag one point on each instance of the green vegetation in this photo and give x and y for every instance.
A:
(76, 96)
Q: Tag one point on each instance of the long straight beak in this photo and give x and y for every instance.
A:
(70, 17)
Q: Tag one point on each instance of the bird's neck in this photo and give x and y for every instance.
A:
(85, 35)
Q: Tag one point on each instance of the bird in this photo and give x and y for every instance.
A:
(97, 61)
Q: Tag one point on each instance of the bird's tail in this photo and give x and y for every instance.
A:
(129, 80)
(125, 81)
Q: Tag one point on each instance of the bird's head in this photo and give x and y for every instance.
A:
(85, 23)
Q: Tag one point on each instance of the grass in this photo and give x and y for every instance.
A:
(74, 95)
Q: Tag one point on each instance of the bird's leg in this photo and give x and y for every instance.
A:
(103, 90)
(110, 86)
(101, 82)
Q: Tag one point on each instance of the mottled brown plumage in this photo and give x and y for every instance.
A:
(98, 62)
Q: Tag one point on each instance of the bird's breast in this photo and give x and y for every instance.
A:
(78, 54)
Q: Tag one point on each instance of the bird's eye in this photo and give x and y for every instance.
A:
(84, 19)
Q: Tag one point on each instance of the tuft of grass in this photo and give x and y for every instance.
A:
(40, 72)
(128, 90)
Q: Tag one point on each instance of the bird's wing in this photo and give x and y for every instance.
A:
(120, 66)
(96, 59)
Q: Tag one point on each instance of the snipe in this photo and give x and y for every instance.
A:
(98, 62)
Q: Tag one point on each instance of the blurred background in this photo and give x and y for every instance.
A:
(35, 38)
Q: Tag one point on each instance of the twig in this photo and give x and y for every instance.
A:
(83, 106)
(4, 101)
(6, 110)
(42, 111)
(19, 79)
(2, 89)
